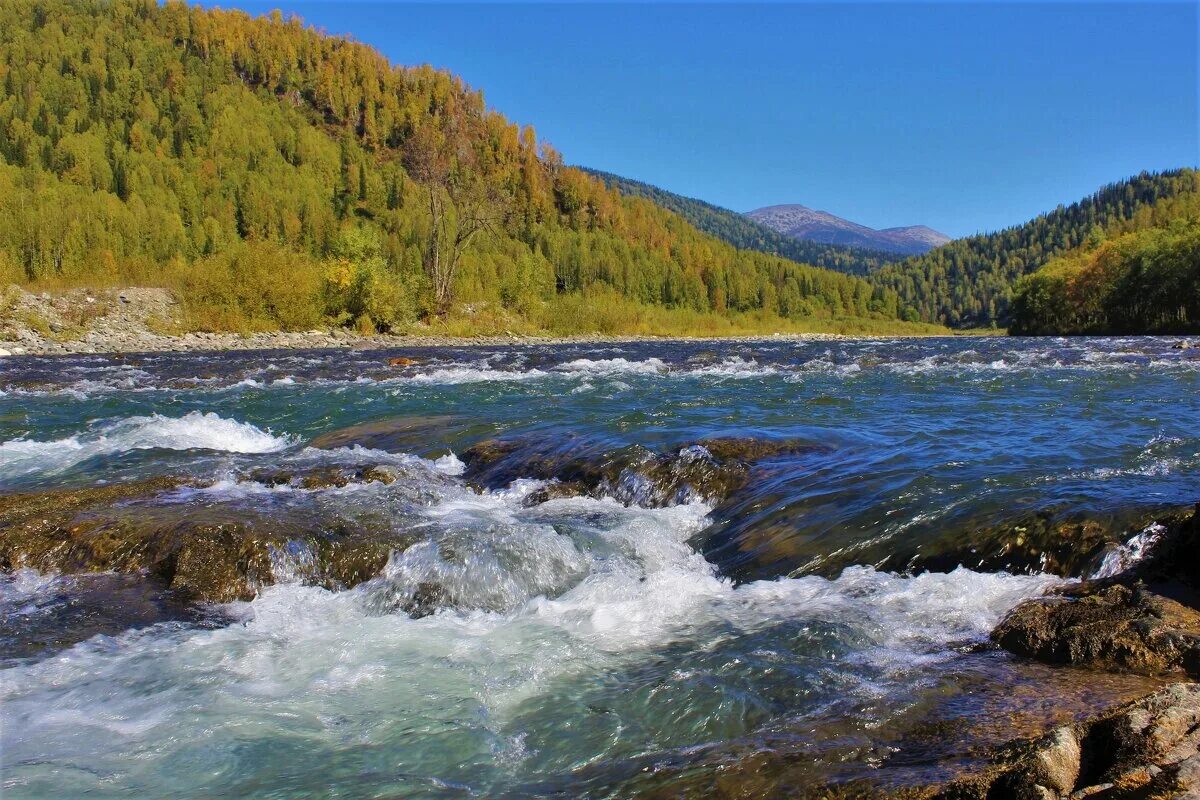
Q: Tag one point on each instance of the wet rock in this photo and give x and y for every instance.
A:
(1132, 621)
(1067, 544)
(749, 449)
(70, 609)
(419, 435)
(270, 477)
(379, 474)
(1117, 628)
(1146, 749)
(556, 491)
(425, 600)
(402, 361)
(1172, 567)
(766, 537)
(1044, 544)
(1056, 764)
(326, 477)
(710, 469)
(206, 553)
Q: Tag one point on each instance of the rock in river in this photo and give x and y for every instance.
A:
(208, 552)
(1142, 620)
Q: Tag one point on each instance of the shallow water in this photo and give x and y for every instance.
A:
(582, 646)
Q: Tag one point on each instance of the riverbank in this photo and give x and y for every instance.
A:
(144, 320)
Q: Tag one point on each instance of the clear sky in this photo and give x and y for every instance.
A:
(961, 116)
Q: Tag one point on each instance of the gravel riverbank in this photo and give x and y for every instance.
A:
(141, 320)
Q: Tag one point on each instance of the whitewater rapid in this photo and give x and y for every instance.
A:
(546, 607)
(193, 431)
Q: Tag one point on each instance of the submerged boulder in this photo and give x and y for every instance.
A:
(1043, 541)
(62, 611)
(768, 536)
(708, 469)
(208, 553)
(407, 434)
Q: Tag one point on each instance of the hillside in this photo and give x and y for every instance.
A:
(275, 177)
(800, 222)
(1140, 276)
(747, 234)
(969, 282)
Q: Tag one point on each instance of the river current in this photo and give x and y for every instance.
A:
(812, 626)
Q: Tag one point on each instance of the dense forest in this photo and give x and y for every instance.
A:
(1140, 276)
(743, 232)
(969, 282)
(274, 176)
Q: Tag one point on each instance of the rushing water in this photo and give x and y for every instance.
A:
(585, 645)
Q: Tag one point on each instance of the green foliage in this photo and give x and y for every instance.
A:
(276, 177)
(1145, 281)
(746, 234)
(969, 282)
(361, 285)
(252, 287)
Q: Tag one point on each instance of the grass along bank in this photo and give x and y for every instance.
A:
(133, 319)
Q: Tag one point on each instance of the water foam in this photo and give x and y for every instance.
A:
(1124, 556)
(537, 609)
(613, 366)
(455, 375)
(193, 431)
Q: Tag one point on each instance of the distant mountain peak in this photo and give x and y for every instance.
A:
(802, 222)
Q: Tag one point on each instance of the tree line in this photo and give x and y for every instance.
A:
(969, 282)
(1141, 276)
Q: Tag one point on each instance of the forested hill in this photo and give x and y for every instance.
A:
(969, 282)
(1138, 276)
(274, 176)
(743, 232)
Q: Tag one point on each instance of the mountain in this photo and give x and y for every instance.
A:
(801, 222)
(272, 176)
(1137, 277)
(747, 234)
(969, 282)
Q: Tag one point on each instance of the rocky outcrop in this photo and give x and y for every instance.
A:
(1147, 749)
(209, 553)
(1131, 621)
(710, 469)
(1116, 627)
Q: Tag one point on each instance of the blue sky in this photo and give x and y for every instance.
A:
(961, 116)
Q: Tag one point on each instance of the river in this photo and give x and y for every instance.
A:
(814, 619)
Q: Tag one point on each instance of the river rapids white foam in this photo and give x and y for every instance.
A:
(550, 613)
(193, 431)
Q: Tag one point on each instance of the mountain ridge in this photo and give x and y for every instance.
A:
(810, 224)
(744, 233)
